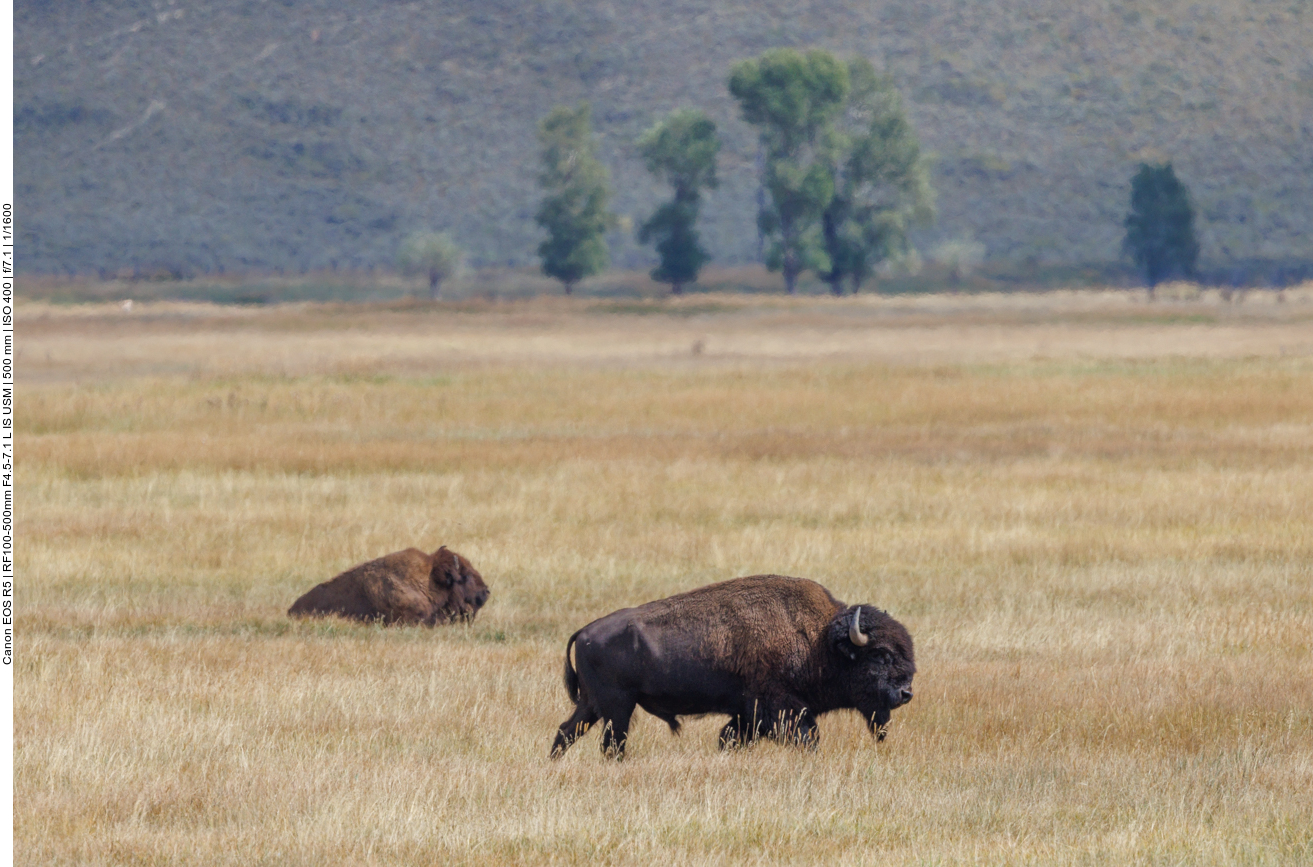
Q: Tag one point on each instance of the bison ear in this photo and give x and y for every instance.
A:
(839, 639)
(446, 568)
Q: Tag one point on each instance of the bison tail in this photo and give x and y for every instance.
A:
(571, 676)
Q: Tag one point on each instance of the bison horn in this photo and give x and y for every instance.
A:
(855, 629)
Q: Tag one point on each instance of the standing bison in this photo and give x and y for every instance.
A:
(772, 652)
(406, 587)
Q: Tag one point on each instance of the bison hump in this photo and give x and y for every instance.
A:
(759, 627)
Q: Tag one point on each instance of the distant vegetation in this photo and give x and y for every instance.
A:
(881, 182)
(842, 176)
(308, 135)
(792, 100)
(959, 257)
(681, 150)
(1160, 227)
(574, 212)
(432, 254)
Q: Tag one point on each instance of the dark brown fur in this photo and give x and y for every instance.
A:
(770, 651)
(406, 587)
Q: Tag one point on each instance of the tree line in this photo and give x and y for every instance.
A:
(842, 172)
(843, 181)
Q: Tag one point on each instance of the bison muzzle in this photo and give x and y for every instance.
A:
(771, 652)
(407, 587)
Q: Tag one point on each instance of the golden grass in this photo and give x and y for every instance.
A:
(1104, 558)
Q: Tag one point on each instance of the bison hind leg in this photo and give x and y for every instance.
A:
(574, 728)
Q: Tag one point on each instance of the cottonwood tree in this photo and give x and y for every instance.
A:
(880, 180)
(680, 150)
(793, 99)
(432, 254)
(1160, 227)
(574, 210)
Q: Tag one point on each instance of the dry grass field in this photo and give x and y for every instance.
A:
(1094, 514)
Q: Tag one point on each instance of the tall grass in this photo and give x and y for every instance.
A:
(1104, 562)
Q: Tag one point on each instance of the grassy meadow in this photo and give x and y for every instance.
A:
(1094, 514)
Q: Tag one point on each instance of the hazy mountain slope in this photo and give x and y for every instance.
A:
(298, 133)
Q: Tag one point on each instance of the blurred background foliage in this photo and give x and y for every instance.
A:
(198, 138)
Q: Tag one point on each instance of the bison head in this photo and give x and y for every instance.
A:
(876, 662)
(462, 583)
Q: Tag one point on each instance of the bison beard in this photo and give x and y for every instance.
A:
(406, 587)
(771, 652)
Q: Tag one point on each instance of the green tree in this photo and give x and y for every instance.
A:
(881, 182)
(680, 150)
(433, 254)
(792, 99)
(960, 256)
(1160, 227)
(574, 210)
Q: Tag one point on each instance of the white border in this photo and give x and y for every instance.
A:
(7, 573)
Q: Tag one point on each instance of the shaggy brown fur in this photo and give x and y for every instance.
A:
(771, 652)
(406, 587)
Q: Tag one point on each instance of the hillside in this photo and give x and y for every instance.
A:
(292, 134)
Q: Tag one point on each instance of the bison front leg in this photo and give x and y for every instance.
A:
(741, 731)
(878, 723)
(797, 728)
(733, 735)
(572, 729)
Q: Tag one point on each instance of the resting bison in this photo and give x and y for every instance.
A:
(772, 652)
(406, 587)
